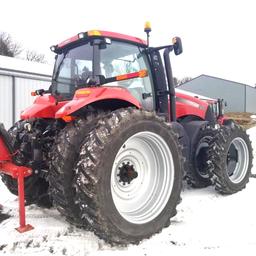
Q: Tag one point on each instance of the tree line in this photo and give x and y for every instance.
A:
(179, 82)
(11, 48)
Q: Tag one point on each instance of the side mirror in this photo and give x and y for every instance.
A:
(177, 45)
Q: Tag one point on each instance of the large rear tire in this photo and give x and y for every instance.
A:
(64, 155)
(129, 176)
(231, 155)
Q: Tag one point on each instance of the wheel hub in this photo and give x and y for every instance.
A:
(232, 159)
(127, 173)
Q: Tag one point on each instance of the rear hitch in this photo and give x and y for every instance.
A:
(7, 166)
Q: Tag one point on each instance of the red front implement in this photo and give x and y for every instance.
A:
(17, 172)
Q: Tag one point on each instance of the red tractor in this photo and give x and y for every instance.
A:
(110, 141)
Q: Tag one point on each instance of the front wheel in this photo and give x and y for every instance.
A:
(231, 156)
(200, 172)
(129, 176)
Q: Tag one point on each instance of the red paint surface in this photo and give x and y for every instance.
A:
(4, 152)
(186, 109)
(68, 41)
(108, 34)
(123, 37)
(96, 94)
(43, 107)
(19, 173)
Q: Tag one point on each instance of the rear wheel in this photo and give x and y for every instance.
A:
(64, 155)
(231, 154)
(129, 176)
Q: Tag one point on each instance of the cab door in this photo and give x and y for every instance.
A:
(120, 58)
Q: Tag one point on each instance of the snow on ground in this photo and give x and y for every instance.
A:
(206, 224)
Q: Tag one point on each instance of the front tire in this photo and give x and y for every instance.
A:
(200, 172)
(129, 176)
(231, 156)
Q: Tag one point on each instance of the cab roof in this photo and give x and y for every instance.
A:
(99, 34)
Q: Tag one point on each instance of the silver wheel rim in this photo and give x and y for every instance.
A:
(241, 163)
(146, 196)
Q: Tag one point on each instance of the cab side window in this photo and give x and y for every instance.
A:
(120, 58)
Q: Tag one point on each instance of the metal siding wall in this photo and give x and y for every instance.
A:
(232, 93)
(250, 99)
(23, 89)
(6, 101)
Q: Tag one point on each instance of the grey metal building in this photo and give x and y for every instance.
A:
(17, 79)
(239, 97)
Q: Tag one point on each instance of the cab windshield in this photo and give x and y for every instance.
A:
(85, 65)
(71, 66)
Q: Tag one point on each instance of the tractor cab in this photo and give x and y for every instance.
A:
(100, 58)
(106, 59)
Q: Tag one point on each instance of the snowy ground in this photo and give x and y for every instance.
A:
(206, 224)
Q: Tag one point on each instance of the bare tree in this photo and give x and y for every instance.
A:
(8, 47)
(178, 82)
(175, 81)
(34, 56)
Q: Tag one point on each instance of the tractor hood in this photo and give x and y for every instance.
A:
(191, 104)
(192, 95)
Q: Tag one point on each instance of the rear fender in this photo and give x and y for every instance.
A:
(87, 96)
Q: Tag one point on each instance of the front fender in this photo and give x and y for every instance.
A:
(86, 96)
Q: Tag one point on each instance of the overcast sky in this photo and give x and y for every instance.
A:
(219, 37)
